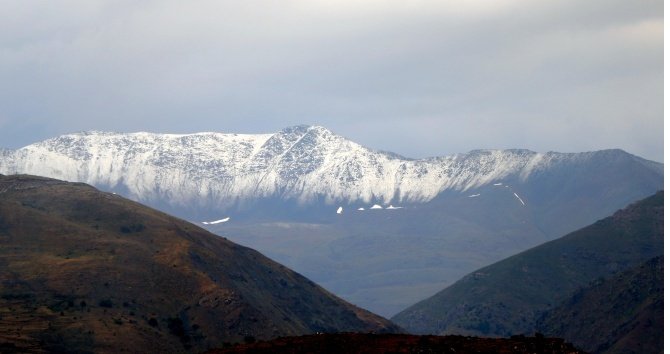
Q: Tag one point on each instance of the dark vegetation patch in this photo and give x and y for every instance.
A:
(17, 296)
(67, 340)
(176, 327)
(107, 303)
(153, 322)
(127, 229)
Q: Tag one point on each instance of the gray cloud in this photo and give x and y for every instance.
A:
(417, 78)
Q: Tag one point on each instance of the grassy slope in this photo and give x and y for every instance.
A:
(507, 297)
(91, 271)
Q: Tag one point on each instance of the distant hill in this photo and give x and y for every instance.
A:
(621, 314)
(357, 343)
(508, 297)
(281, 191)
(87, 271)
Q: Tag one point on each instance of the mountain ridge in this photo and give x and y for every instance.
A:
(305, 164)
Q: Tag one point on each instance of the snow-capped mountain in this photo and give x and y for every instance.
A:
(378, 229)
(305, 164)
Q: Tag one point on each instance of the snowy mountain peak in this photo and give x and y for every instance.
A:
(301, 163)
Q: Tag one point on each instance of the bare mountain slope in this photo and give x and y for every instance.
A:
(87, 271)
(619, 314)
(508, 297)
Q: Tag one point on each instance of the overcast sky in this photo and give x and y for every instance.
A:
(419, 78)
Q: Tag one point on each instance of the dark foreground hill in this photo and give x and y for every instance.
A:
(508, 297)
(87, 271)
(354, 343)
(621, 314)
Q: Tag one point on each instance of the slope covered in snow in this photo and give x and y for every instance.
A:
(302, 163)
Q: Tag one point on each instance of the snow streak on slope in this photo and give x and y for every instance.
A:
(303, 163)
(521, 200)
(216, 221)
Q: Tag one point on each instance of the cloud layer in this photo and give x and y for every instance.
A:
(419, 78)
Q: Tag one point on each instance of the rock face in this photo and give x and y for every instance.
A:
(87, 271)
(510, 296)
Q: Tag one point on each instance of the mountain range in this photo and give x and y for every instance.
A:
(86, 271)
(302, 164)
(378, 229)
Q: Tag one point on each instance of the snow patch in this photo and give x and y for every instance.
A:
(521, 200)
(216, 221)
(391, 207)
(376, 206)
(339, 210)
(497, 184)
(474, 195)
(361, 209)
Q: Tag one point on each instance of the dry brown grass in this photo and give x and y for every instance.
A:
(82, 270)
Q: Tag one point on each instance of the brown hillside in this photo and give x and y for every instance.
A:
(82, 270)
(508, 297)
(620, 314)
(354, 343)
